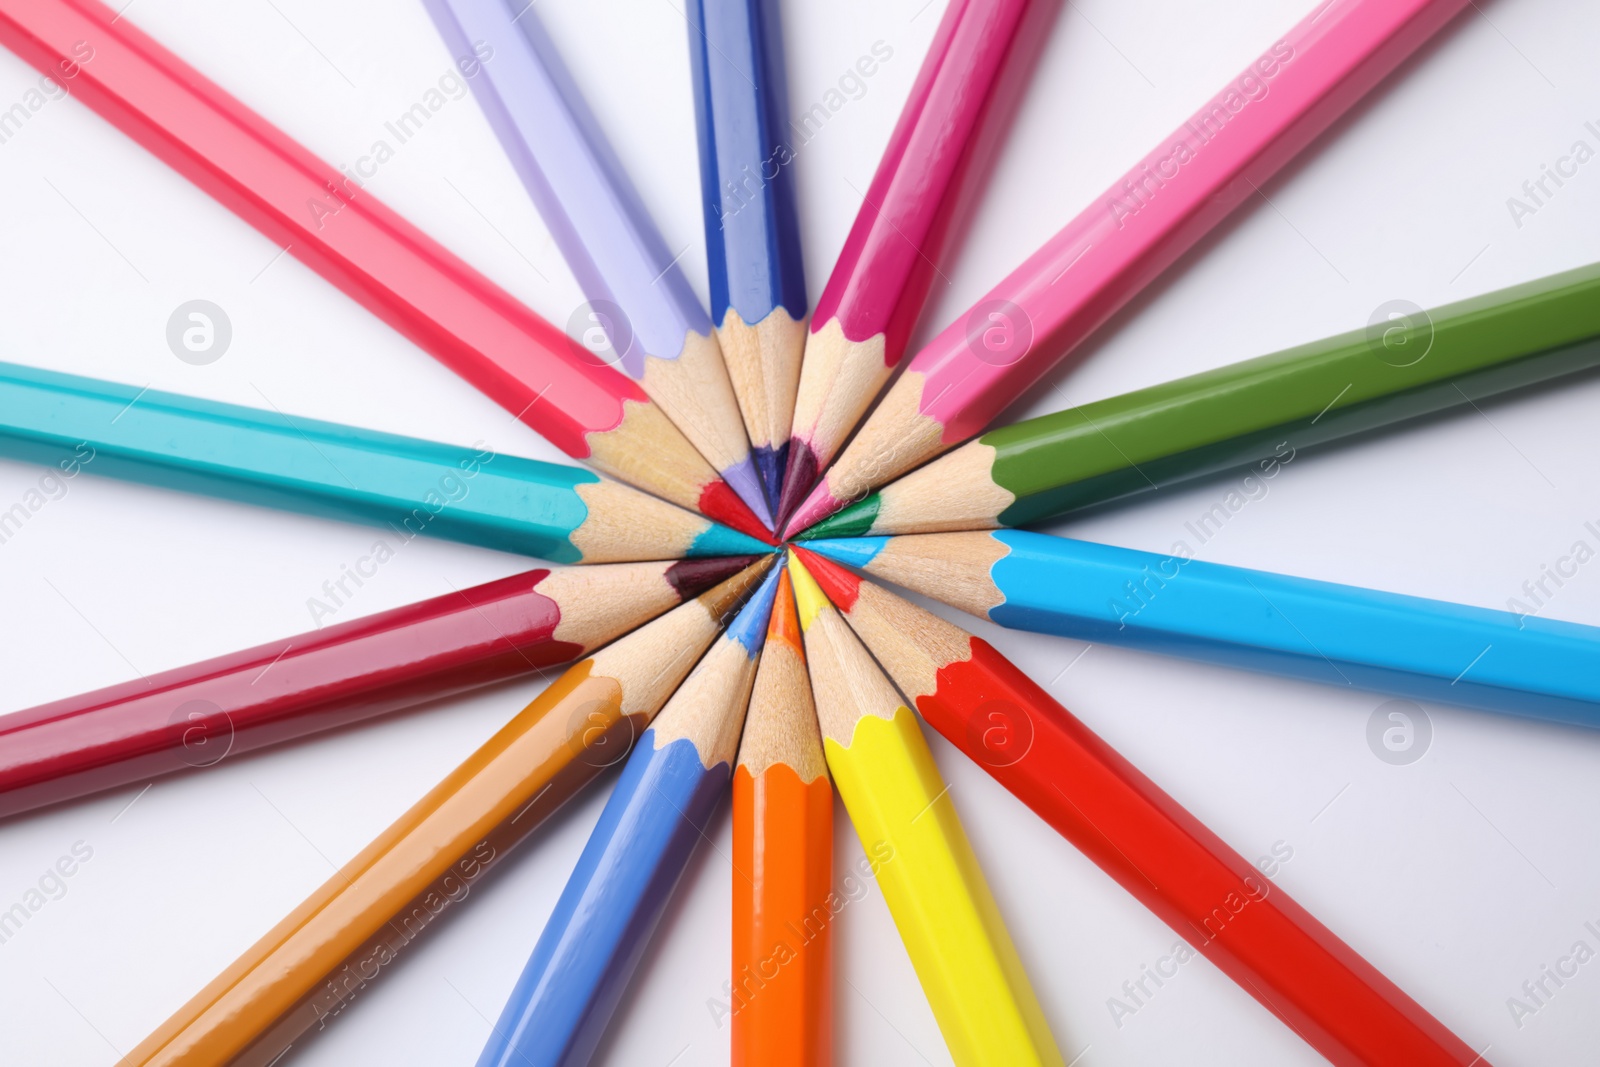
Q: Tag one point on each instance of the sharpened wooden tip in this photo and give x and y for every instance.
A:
(896, 437)
(722, 602)
(781, 728)
(912, 644)
(846, 684)
(646, 449)
(651, 662)
(952, 567)
(601, 603)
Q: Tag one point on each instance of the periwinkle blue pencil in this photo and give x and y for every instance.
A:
(1339, 634)
(669, 790)
(406, 486)
(641, 308)
(747, 150)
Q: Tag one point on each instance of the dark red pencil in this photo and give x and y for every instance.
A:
(1213, 897)
(327, 219)
(197, 715)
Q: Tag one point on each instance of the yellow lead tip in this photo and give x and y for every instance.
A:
(807, 594)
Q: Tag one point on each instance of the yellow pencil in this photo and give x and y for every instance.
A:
(937, 895)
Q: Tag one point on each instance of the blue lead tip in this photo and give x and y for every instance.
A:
(854, 552)
(771, 463)
(749, 627)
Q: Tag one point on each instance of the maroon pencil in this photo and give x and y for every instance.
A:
(197, 715)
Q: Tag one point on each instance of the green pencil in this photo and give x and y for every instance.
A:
(551, 510)
(1252, 414)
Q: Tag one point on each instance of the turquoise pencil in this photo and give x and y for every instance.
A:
(1339, 634)
(556, 512)
(671, 787)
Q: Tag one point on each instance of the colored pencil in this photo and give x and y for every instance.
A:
(669, 792)
(758, 285)
(651, 325)
(558, 512)
(1160, 853)
(325, 217)
(1298, 627)
(199, 714)
(864, 318)
(306, 970)
(781, 989)
(1214, 162)
(900, 806)
(1255, 416)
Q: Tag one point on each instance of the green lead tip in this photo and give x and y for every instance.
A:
(720, 540)
(853, 521)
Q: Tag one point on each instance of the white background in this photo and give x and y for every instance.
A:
(1459, 876)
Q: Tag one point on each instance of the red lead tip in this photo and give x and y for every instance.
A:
(837, 584)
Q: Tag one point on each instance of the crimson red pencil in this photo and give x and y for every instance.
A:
(326, 218)
(1155, 849)
(195, 716)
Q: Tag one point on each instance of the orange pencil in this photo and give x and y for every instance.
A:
(781, 994)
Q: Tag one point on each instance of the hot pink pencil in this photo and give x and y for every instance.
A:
(1127, 236)
(877, 289)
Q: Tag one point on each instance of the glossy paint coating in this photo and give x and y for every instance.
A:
(1177, 194)
(660, 810)
(324, 218)
(952, 929)
(197, 715)
(405, 485)
(781, 991)
(881, 280)
(566, 163)
(312, 964)
(1211, 896)
(637, 293)
(1320, 631)
(558, 1010)
(742, 112)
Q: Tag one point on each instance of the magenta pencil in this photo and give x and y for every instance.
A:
(1126, 237)
(880, 283)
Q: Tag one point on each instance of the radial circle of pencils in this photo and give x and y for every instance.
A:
(1217, 160)
(1211, 896)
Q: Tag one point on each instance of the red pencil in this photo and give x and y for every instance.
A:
(1208, 893)
(324, 217)
(194, 716)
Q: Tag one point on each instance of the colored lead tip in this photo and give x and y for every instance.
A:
(857, 552)
(718, 501)
(799, 475)
(854, 521)
(818, 506)
(745, 480)
(749, 627)
(770, 463)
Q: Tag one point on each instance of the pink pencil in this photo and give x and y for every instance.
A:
(1214, 162)
(878, 287)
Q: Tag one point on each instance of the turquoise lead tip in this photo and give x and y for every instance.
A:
(720, 540)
